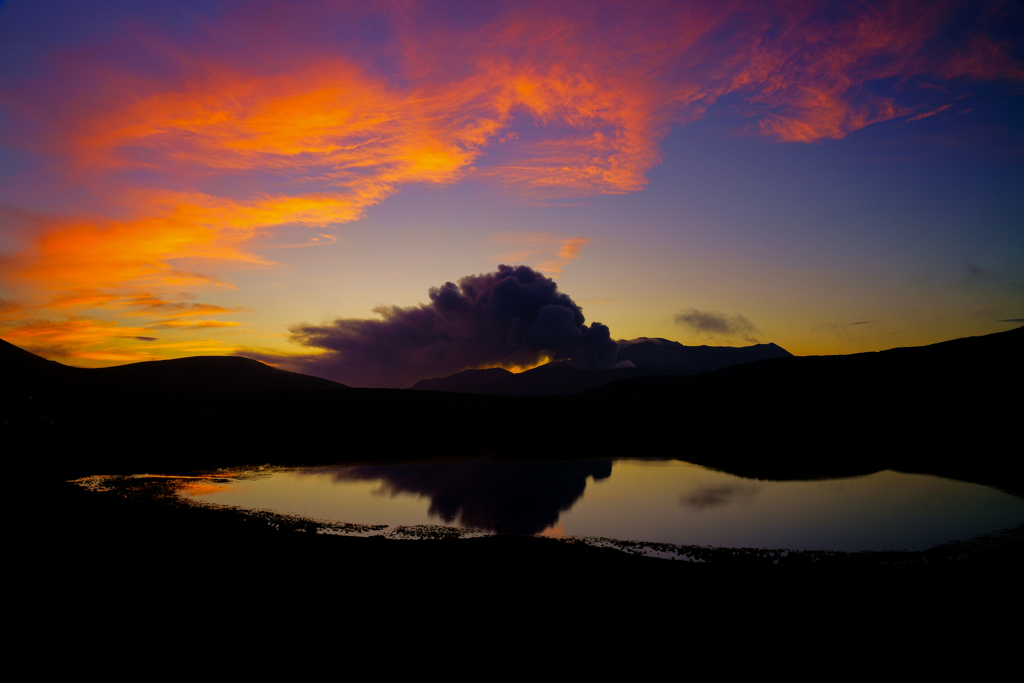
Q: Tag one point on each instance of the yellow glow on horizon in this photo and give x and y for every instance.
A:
(516, 369)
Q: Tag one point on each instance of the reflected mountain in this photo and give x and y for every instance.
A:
(502, 497)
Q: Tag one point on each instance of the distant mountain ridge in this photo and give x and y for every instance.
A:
(24, 371)
(663, 354)
(942, 366)
(648, 356)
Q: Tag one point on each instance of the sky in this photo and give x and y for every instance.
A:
(297, 182)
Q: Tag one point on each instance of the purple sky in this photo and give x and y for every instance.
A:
(205, 178)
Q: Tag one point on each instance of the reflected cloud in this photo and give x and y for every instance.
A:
(706, 497)
(502, 497)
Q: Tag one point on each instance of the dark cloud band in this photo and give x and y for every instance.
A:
(712, 322)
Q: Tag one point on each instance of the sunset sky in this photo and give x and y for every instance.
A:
(207, 178)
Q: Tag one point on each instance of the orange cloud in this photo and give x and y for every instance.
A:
(563, 100)
(315, 241)
(120, 263)
(56, 337)
(195, 324)
(926, 114)
(147, 303)
(92, 341)
(570, 248)
(9, 309)
(328, 120)
(97, 343)
(331, 122)
(547, 253)
(88, 341)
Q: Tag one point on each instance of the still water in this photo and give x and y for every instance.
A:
(638, 500)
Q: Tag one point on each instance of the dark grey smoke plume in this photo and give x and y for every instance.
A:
(514, 316)
(712, 322)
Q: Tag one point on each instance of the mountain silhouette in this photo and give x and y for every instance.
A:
(946, 409)
(920, 372)
(26, 372)
(648, 357)
(662, 354)
(551, 379)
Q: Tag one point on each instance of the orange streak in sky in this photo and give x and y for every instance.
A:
(540, 245)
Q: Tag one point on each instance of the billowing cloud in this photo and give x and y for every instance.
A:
(514, 316)
(715, 323)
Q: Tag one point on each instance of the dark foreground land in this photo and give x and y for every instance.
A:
(950, 409)
(202, 577)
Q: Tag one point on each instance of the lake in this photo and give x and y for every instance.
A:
(653, 501)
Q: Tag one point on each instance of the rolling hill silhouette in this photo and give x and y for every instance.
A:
(26, 372)
(949, 409)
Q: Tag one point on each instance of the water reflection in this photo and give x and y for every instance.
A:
(715, 496)
(669, 502)
(502, 497)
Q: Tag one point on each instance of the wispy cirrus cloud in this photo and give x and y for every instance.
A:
(975, 275)
(933, 112)
(194, 324)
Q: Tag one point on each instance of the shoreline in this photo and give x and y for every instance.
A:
(157, 496)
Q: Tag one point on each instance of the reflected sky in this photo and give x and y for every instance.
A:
(638, 500)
